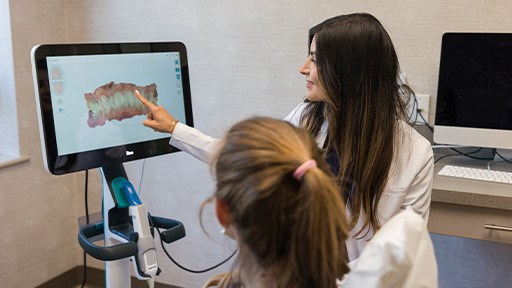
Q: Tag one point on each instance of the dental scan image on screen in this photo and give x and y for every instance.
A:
(117, 102)
(93, 101)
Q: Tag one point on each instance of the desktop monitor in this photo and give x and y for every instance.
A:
(88, 114)
(474, 96)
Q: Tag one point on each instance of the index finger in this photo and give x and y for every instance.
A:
(145, 101)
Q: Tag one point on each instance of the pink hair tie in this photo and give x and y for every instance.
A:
(303, 168)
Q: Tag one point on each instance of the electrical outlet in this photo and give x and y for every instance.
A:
(423, 105)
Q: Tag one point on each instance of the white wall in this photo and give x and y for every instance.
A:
(244, 58)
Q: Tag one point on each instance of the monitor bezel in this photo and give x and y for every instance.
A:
(469, 136)
(64, 164)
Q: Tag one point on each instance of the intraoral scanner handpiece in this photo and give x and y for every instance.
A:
(145, 261)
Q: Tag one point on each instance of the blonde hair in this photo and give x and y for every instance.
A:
(299, 225)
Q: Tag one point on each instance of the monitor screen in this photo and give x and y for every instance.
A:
(474, 97)
(88, 114)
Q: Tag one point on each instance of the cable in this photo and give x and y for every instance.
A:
(444, 156)
(425, 122)
(165, 250)
(467, 154)
(444, 146)
(141, 175)
(190, 270)
(412, 96)
(473, 157)
(86, 189)
(508, 161)
(463, 154)
(85, 270)
(86, 196)
(489, 164)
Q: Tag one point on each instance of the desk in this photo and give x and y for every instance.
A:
(461, 207)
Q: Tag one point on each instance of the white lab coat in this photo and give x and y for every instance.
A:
(400, 255)
(409, 184)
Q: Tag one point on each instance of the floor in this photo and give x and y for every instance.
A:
(464, 262)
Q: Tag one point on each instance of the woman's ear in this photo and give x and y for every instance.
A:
(222, 212)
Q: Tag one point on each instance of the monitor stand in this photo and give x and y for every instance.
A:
(128, 232)
(117, 272)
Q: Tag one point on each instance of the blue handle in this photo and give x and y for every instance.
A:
(125, 193)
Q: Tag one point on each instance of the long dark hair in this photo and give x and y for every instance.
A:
(359, 71)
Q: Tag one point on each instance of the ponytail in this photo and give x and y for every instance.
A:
(283, 202)
(317, 244)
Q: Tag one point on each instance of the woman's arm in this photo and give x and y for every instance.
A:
(187, 138)
(410, 182)
(183, 137)
(193, 141)
(420, 192)
(201, 146)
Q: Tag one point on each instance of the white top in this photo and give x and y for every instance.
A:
(401, 254)
(409, 184)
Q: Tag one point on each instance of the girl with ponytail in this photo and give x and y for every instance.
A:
(276, 196)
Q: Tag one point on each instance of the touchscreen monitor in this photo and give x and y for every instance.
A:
(88, 114)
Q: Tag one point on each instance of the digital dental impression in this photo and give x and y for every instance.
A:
(117, 101)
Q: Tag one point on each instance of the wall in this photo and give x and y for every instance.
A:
(244, 58)
(9, 145)
(38, 231)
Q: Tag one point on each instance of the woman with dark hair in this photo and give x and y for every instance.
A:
(354, 109)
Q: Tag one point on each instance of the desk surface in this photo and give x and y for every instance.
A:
(472, 192)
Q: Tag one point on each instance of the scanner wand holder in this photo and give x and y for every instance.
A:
(127, 233)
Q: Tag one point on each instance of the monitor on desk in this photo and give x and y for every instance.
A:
(88, 114)
(474, 97)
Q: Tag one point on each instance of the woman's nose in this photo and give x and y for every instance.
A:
(304, 69)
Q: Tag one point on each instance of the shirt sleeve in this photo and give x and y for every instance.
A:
(419, 195)
(193, 141)
(202, 146)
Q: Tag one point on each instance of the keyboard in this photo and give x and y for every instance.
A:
(476, 174)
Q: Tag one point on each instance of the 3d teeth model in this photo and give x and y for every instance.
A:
(117, 102)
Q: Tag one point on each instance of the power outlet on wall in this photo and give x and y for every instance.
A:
(423, 106)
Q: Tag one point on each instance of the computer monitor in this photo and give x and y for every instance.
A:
(88, 114)
(474, 96)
